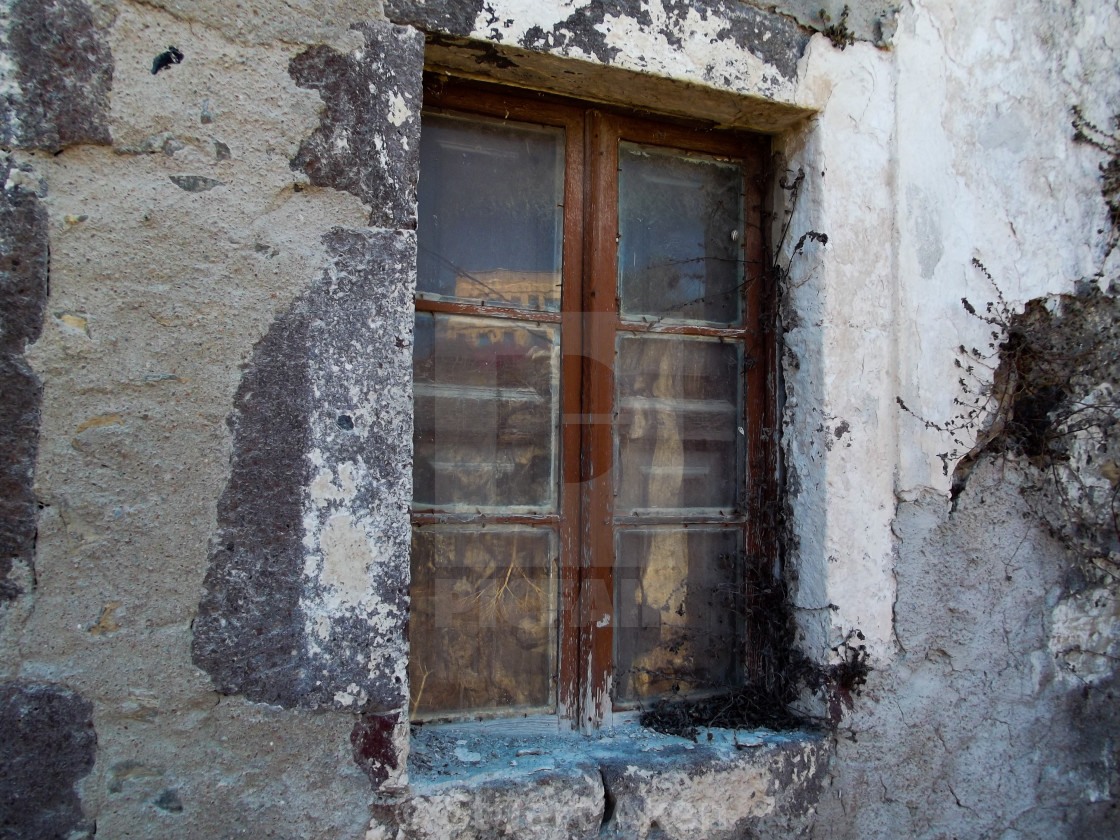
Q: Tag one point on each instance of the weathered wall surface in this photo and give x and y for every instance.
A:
(172, 253)
(205, 420)
(981, 728)
(996, 716)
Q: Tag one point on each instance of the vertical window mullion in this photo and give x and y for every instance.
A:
(600, 321)
(571, 390)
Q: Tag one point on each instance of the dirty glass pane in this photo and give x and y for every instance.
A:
(486, 413)
(678, 611)
(679, 404)
(483, 619)
(680, 255)
(491, 216)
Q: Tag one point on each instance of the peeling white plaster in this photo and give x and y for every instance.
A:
(398, 779)
(399, 112)
(321, 625)
(512, 19)
(377, 658)
(379, 832)
(325, 487)
(29, 181)
(344, 553)
(840, 355)
(353, 694)
(379, 144)
(348, 555)
(706, 54)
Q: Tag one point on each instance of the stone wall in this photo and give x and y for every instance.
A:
(207, 255)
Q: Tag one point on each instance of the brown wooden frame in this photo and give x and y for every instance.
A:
(590, 321)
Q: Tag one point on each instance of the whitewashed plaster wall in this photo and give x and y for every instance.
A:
(955, 145)
(975, 723)
(987, 169)
(840, 353)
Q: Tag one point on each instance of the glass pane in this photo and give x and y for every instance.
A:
(680, 254)
(678, 611)
(491, 214)
(679, 404)
(486, 413)
(483, 619)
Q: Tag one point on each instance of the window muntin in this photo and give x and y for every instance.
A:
(651, 529)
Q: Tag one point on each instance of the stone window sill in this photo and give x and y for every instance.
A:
(627, 781)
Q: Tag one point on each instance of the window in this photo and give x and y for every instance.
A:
(591, 410)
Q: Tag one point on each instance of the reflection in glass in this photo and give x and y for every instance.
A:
(680, 221)
(679, 412)
(678, 611)
(490, 224)
(486, 413)
(483, 619)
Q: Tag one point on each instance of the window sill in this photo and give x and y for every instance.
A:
(626, 781)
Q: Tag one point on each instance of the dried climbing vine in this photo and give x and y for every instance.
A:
(1045, 392)
(781, 674)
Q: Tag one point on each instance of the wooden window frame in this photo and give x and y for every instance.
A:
(590, 321)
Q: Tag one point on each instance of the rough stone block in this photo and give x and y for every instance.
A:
(23, 299)
(775, 39)
(306, 595)
(47, 744)
(368, 142)
(63, 71)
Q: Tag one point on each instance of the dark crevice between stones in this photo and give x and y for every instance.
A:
(371, 741)
(168, 58)
(610, 802)
(24, 281)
